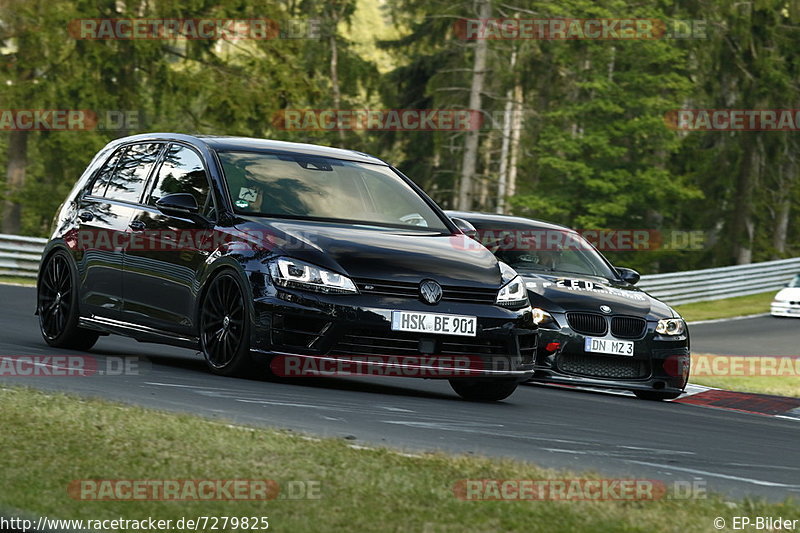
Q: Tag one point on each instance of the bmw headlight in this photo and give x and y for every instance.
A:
(671, 326)
(513, 294)
(296, 274)
(543, 318)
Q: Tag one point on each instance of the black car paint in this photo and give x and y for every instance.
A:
(666, 357)
(155, 299)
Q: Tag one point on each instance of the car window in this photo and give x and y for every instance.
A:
(100, 182)
(382, 196)
(526, 248)
(313, 187)
(133, 168)
(182, 172)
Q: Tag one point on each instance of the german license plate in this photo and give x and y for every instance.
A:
(609, 346)
(434, 323)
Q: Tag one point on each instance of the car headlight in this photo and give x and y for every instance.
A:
(292, 273)
(513, 294)
(506, 272)
(543, 318)
(671, 326)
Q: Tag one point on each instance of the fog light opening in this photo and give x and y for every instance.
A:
(552, 347)
(659, 385)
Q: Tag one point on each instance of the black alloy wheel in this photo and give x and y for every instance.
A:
(224, 327)
(57, 305)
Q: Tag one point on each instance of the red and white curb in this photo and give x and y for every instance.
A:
(743, 402)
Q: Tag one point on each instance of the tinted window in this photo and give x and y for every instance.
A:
(556, 250)
(104, 174)
(324, 188)
(182, 171)
(132, 171)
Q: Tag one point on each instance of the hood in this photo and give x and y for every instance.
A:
(788, 294)
(561, 292)
(379, 253)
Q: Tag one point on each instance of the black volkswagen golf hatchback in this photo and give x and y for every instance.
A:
(283, 257)
(597, 328)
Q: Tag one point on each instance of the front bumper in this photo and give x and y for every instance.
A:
(659, 363)
(353, 333)
(789, 309)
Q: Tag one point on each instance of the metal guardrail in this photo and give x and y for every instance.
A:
(718, 283)
(19, 256)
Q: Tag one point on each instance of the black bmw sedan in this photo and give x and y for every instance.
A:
(597, 328)
(329, 261)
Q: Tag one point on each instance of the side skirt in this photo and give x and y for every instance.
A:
(140, 333)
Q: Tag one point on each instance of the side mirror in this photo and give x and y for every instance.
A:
(629, 275)
(465, 227)
(179, 204)
(182, 205)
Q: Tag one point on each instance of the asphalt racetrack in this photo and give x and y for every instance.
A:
(735, 453)
(762, 335)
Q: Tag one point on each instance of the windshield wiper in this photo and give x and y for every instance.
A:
(533, 266)
(345, 221)
(585, 274)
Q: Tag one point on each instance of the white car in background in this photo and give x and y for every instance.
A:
(787, 301)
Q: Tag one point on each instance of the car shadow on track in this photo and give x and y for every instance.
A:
(165, 357)
(194, 362)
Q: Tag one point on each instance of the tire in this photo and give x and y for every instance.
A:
(225, 327)
(655, 396)
(483, 390)
(57, 305)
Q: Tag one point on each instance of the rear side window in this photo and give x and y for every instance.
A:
(104, 175)
(132, 170)
(182, 171)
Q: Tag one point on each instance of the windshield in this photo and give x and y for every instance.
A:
(545, 250)
(319, 188)
(795, 282)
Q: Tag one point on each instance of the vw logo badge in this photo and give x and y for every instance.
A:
(606, 309)
(430, 291)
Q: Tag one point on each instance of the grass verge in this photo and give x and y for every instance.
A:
(50, 440)
(17, 280)
(777, 375)
(727, 308)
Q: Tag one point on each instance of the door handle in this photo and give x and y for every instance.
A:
(137, 225)
(85, 216)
